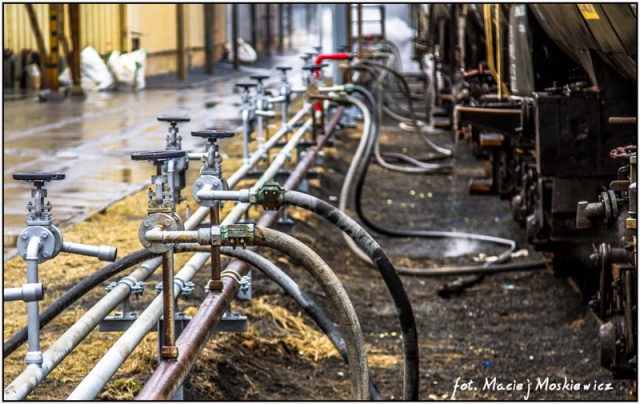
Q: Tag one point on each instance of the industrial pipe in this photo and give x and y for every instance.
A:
(300, 296)
(169, 375)
(103, 252)
(331, 56)
(22, 385)
(34, 356)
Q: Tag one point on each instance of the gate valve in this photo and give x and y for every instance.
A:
(173, 139)
(176, 168)
(211, 171)
(163, 199)
(39, 213)
(259, 78)
(284, 87)
(312, 69)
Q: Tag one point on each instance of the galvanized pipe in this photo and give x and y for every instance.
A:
(113, 359)
(29, 292)
(19, 388)
(103, 252)
(34, 356)
(32, 376)
(165, 381)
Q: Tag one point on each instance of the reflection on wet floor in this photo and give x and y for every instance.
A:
(91, 142)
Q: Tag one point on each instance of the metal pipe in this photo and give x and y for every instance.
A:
(22, 385)
(245, 137)
(215, 283)
(169, 350)
(103, 252)
(169, 375)
(32, 376)
(255, 157)
(113, 359)
(34, 356)
(29, 292)
(118, 353)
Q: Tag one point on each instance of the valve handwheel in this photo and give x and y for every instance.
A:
(283, 68)
(38, 177)
(259, 77)
(212, 134)
(161, 155)
(315, 67)
(173, 119)
(246, 86)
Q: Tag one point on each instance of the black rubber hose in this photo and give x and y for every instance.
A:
(76, 292)
(388, 273)
(309, 305)
(360, 180)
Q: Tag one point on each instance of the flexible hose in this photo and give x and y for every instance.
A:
(75, 293)
(300, 296)
(388, 273)
(347, 318)
(374, 128)
(405, 86)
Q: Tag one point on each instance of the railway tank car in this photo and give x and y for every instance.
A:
(553, 109)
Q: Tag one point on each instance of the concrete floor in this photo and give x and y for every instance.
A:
(91, 139)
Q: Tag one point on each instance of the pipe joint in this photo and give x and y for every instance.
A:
(29, 292)
(103, 252)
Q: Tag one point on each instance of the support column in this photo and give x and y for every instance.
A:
(254, 27)
(280, 27)
(181, 62)
(40, 43)
(290, 25)
(52, 62)
(268, 41)
(208, 38)
(234, 33)
(74, 25)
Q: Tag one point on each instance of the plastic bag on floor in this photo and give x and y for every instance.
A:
(246, 53)
(92, 65)
(129, 68)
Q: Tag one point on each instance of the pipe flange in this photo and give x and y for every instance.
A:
(206, 181)
(47, 245)
(167, 222)
(58, 237)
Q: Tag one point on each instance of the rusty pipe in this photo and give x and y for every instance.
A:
(169, 350)
(169, 375)
(214, 283)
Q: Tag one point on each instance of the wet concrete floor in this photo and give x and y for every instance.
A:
(91, 140)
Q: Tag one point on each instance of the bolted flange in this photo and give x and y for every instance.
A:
(47, 239)
(167, 222)
(205, 181)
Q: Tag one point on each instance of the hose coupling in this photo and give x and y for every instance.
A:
(270, 196)
(237, 235)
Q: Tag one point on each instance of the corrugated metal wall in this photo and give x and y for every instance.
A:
(17, 28)
(109, 27)
(99, 27)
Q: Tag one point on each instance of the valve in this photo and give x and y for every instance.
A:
(248, 115)
(211, 171)
(259, 78)
(163, 201)
(176, 169)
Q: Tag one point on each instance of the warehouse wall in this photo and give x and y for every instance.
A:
(109, 27)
